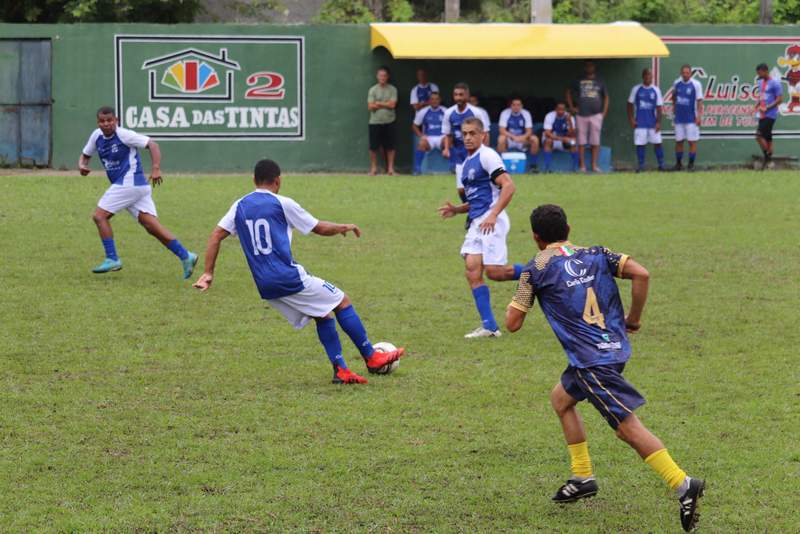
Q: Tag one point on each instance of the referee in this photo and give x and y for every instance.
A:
(381, 103)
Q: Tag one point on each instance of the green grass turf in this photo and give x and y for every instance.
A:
(131, 402)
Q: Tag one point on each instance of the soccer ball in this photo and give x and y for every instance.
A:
(385, 346)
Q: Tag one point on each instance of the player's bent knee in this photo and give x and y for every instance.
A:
(344, 303)
(496, 273)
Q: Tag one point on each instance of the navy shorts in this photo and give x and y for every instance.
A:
(765, 128)
(605, 387)
(458, 154)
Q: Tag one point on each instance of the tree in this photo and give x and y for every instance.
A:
(361, 11)
(166, 11)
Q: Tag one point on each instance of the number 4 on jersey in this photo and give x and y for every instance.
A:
(591, 310)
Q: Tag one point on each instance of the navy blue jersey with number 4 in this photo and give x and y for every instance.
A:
(579, 297)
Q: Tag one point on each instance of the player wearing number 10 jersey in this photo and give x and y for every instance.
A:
(264, 221)
(579, 297)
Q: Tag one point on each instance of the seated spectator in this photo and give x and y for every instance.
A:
(559, 134)
(421, 93)
(428, 127)
(516, 130)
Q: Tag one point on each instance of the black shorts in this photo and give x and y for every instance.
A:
(605, 388)
(764, 130)
(382, 136)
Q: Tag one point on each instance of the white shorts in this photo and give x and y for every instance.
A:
(134, 198)
(316, 300)
(491, 246)
(689, 131)
(642, 136)
(516, 145)
(559, 144)
(435, 141)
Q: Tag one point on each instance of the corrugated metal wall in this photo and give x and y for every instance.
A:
(25, 102)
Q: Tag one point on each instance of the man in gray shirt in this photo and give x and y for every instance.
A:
(587, 99)
(381, 103)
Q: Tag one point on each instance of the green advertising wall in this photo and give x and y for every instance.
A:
(218, 97)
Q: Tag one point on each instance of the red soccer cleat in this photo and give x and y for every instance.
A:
(346, 376)
(380, 359)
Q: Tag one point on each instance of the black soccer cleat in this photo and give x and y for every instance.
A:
(690, 168)
(688, 504)
(575, 490)
(679, 166)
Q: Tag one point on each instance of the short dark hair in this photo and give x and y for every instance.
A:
(461, 85)
(385, 69)
(515, 97)
(549, 222)
(686, 66)
(435, 93)
(106, 110)
(561, 103)
(266, 172)
(762, 66)
(645, 70)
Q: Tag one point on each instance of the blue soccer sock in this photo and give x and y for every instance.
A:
(534, 159)
(660, 156)
(679, 157)
(329, 337)
(177, 249)
(111, 249)
(640, 155)
(692, 155)
(576, 161)
(518, 270)
(548, 160)
(419, 157)
(484, 304)
(354, 328)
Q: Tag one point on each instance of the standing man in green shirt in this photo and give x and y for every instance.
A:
(381, 103)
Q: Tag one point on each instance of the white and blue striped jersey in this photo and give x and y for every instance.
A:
(422, 93)
(515, 123)
(119, 155)
(264, 222)
(645, 100)
(476, 176)
(451, 124)
(686, 95)
(559, 126)
(430, 120)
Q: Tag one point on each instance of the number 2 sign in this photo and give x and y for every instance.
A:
(271, 89)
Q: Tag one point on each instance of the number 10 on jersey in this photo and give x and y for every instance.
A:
(259, 236)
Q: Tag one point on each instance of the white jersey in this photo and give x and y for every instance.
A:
(422, 93)
(453, 118)
(516, 123)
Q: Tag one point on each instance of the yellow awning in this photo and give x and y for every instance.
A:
(517, 41)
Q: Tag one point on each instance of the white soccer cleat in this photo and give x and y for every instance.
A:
(482, 332)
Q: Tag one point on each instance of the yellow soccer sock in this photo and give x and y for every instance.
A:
(580, 461)
(663, 464)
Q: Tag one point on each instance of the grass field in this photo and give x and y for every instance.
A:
(132, 403)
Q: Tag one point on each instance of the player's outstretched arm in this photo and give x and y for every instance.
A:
(326, 228)
(212, 251)
(451, 210)
(155, 157)
(514, 318)
(83, 164)
(640, 282)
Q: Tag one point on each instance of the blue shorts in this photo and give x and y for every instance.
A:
(458, 154)
(605, 387)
